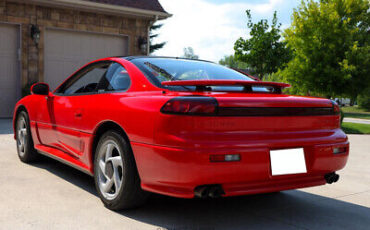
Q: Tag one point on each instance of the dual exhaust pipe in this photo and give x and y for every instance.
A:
(209, 191)
(331, 177)
(215, 191)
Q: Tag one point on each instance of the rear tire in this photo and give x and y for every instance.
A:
(25, 148)
(116, 178)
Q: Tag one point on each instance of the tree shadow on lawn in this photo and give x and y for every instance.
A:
(285, 210)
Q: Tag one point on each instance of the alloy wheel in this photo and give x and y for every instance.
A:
(22, 136)
(110, 170)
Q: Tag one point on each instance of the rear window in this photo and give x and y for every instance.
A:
(166, 69)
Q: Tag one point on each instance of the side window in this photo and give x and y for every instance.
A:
(116, 79)
(87, 81)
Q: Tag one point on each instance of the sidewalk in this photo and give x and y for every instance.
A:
(356, 120)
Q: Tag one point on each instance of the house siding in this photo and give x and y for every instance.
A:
(32, 57)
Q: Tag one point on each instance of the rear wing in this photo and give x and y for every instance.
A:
(201, 85)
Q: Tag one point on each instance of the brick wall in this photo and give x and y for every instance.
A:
(32, 57)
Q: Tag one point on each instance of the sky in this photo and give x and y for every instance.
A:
(211, 27)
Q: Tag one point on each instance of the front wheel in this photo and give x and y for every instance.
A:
(25, 148)
(116, 177)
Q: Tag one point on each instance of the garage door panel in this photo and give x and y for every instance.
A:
(8, 69)
(66, 51)
(7, 103)
(57, 67)
(8, 39)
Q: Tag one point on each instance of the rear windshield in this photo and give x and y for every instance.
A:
(159, 70)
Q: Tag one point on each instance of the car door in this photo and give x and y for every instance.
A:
(68, 105)
(105, 104)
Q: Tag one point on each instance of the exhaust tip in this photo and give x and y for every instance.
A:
(331, 177)
(209, 191)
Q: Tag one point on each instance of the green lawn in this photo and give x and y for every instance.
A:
(356, 112)
(354, 128)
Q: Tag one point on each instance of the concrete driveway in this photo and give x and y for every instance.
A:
(49, 195)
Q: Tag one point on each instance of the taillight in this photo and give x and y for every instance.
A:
(191, 106)
(336, 111)
(336, 108)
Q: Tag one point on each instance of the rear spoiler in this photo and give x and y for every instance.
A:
(201, 84)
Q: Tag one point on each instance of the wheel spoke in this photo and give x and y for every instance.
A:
(108, 185)
(108, 152)
(102, 168)
(117, 179)
(21, 147)
(24, 131)
(116, 161)
(21, 139)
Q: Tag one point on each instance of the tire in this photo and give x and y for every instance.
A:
(116, 178)
(25, 148)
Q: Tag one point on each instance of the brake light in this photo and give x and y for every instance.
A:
(191, 106)
(336, 108)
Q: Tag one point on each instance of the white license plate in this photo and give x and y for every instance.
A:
(287, 161)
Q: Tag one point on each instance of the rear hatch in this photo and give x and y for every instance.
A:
(244, 117)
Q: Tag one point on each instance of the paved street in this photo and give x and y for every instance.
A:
(356, 120)
(49, 195)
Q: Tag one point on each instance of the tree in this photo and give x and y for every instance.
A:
(152, 35)
(330, 43)
(264, 52)
(189, 53)
(231, 62)
(364, 99)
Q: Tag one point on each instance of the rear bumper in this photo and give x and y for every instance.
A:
(177, 171)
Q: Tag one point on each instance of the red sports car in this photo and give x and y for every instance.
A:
(183, 128)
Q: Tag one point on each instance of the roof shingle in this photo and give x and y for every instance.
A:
(153, 5)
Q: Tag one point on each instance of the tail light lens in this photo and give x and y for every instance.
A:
(336, 108)
(191, 106)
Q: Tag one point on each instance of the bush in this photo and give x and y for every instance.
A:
(364, 99)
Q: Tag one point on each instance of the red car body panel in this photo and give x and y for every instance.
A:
(172, 152)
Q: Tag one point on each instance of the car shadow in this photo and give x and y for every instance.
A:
(6, 126)
(285, 210)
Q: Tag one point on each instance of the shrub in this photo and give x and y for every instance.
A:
(364, 99)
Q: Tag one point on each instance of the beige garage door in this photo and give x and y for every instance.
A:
(9, 69)
(66, 51)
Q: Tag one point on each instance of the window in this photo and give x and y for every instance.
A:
(158, 70)
(97, 78)
(167, 69)
(86, 80)
(116, 79)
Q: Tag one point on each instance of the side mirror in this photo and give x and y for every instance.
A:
(40, 89)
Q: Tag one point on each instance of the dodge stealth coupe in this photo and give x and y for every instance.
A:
(182, 128)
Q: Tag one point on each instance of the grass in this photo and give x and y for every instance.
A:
(354, 128)
(356, 112)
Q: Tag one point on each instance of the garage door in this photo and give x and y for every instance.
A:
(9, 43)
(66, 51)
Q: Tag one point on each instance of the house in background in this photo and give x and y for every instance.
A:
(46, 40)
